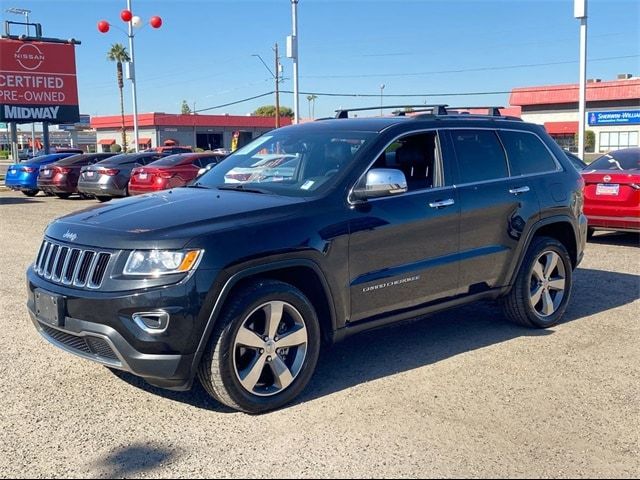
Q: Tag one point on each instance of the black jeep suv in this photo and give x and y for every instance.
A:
(307, 235)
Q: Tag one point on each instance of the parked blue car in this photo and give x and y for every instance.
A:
(23, 176)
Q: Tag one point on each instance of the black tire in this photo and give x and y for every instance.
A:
(63, 196)
(102, 199)
(217, 370)
(517, 304)
(30, 193)
(590, 232)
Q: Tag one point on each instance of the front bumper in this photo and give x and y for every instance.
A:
(98, 326)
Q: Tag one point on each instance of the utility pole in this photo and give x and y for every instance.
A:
(277, 76)
(580, 12)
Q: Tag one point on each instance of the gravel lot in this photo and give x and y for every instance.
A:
(459, 394)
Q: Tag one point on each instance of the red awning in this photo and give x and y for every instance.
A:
(561, 128)
(106, 141)
(144, 140)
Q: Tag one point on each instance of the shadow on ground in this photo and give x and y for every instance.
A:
(18, 200)
(134, 460)
(409, 345)
(616, 238)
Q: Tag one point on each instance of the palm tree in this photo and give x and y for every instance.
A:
(312, 98)
(118, 53)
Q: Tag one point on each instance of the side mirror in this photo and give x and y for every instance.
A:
(381, 182)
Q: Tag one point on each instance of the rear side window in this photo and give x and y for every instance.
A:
(526, 153)
(480, 155)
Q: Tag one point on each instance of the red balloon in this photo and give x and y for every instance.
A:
(126, 15)
(156, 22)
(103, 26)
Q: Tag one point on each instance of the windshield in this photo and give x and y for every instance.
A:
(292, 162)
(620, 160)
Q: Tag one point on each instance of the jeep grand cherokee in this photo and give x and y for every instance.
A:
(312, 233)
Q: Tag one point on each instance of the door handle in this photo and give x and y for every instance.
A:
(518, 191)
(442, 203)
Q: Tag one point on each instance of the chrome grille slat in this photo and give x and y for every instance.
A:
(53, 256)
(72, 266)
(46, 260)
(85, 266)
(60, 263)
(39, 257)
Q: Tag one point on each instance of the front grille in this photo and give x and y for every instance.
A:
(83, 345)
(67, 265)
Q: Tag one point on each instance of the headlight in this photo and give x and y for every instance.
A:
(161, 262)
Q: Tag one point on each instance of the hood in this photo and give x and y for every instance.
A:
(168, 219)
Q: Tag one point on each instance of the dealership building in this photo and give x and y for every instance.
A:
(199, 131)
(613, 111)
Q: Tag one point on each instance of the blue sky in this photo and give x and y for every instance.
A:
(203, 52)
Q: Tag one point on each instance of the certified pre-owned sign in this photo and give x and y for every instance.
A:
(38, 82)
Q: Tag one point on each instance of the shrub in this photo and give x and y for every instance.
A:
(115, 148)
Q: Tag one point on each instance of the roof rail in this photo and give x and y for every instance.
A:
(438, 109)
(492, 111)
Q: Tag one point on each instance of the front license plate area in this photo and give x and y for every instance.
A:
(49, 308)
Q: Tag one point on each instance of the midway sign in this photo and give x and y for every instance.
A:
(38, 82)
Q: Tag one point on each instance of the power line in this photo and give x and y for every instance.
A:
(466, 70)
(591, 86)
(234, 103)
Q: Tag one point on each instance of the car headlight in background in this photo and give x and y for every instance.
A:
(161, 262)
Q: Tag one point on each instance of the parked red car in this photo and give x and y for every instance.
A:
(61, 178)
(170, 172)
(612, 191)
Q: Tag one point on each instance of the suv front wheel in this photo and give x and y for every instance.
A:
(264, 348)
(542, 288)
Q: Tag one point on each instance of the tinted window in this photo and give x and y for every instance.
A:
(169, 161)
(620, 160)
(480, 155)
(125, 158)
(527, 154)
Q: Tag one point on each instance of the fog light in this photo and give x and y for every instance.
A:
(152, 322)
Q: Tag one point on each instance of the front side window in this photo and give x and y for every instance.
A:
(526, 153)
(480, 155)
(294, 162)
(417, 156)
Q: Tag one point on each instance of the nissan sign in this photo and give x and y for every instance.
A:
(38, 82)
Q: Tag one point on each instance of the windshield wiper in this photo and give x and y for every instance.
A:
(239, 187)
(198, 185)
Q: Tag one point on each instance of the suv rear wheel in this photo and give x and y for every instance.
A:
(264, 348)
(542, 288)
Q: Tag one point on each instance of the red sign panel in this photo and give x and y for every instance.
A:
(38, 82)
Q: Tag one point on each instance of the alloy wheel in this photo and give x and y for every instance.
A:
(548, 283)
(270, 348)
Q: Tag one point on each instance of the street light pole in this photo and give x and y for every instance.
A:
(26, 12)
(132, 77)
(381, 89)
(580, 12)
(277, 87)
(133, 21)
(294, 34)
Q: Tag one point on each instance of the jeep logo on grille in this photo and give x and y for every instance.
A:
(70, 236)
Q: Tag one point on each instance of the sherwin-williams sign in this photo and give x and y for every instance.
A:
(620, 117)
(38, 82)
